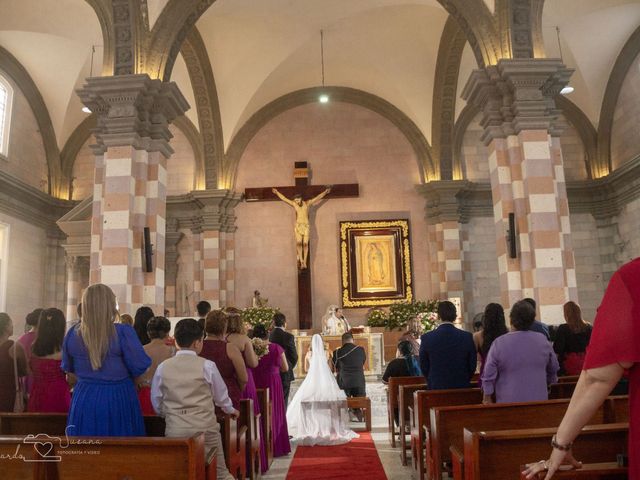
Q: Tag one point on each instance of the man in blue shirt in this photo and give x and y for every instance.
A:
(537, 325)
(447, 354)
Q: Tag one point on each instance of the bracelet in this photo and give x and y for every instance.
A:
(564, 448)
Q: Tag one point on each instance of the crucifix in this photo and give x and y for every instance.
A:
(301, 197)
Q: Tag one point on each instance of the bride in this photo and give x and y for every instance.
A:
(317, 415)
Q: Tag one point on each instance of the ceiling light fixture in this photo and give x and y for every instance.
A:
(86, 109)
(567, 88)
(323, 98)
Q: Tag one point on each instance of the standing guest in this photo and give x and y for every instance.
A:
(203, 307)
(537, 325)
(412, 335)
(106, 357)
(140, 322)
(185, 387)
(225, 355)
(287, 341)
(267, 375)
(157, 349)
(26, 341)
(520, 364)
(447, 354)
(8, 350)
(493, 326)
(237, 335)
(571, 340)
(614, 348)
(50, 390)
(127, 319)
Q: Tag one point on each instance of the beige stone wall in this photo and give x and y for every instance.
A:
(474, 155)
(573, 154)
(626, 119)
(26, 269)
(344, 143)
(629, 226)
(181, 167)
(26, 158)
(185, 304)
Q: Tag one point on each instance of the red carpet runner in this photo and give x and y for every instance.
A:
(355, 460)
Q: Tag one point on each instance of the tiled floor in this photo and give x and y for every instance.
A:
(390, 457)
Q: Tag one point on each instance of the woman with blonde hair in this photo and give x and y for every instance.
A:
(106, 357)
(571, 340)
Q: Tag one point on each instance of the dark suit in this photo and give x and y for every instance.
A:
(447, 357)
(349, 363)
(288, 343)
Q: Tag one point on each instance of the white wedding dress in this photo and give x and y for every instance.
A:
(317, 414)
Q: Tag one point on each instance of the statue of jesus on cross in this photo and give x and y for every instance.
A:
(301, 230)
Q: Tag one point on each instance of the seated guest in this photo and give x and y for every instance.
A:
(493, 326)
(237, 335)
(537, 325)
(185, 387)
(412, 335)
(126, 319)
(571, 340)
(140, 322)
(203, 307)
(267, 375)
(49, 389)
(106, 357)
(520, 364)
(157, 349)
(406, 365)
(12, 358)
(225, 355)
(447, 354)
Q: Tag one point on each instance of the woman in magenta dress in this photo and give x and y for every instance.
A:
(225, 355)
(267, 375)
(26, 340)
(237, 335)
(49, 390)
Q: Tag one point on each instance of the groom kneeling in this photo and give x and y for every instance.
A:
(348, 362)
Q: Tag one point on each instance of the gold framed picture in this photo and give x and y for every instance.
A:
(375, 262)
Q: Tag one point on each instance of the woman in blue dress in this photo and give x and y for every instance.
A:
(106, 357)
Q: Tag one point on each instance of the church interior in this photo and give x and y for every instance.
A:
(505, 132)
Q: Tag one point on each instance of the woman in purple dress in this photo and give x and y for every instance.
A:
(521, 364)
(267, 375)
(49, 390)
(237, 335)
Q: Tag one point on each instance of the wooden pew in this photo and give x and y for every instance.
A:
(267, 422)
(363, 403)
(561, 390)
(590, 471)
(249, 419)
(448, 423)
(420, 420)
(234, 440)
(499, 454)
(393, 392)
(106, 457)
(405, 400)
(568, 379)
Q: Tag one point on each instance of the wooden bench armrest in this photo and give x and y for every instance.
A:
(457, 458)
(588, 470)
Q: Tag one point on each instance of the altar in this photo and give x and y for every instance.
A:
(373, 344)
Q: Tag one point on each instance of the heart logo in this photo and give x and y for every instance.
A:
(43, 448)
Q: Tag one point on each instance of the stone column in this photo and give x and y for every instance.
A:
(171, 261)
(446, 236)
(527, 178)
(134, 113)
(213, 246)
(73, 287)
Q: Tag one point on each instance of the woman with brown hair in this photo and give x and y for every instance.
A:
(225, 355)
(106, 357)
(158, 330)
(571, 340)
(50, 390)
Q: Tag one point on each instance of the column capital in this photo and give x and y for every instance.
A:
(216, 209)
(455, 200)
(133, 110)
(517, 95)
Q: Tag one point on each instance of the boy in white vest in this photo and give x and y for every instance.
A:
(185, 388)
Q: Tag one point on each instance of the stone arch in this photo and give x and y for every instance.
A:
(337, 94)
(619, 72)
(104, 12)
(585, 129)
(12, 67)
(195, 140)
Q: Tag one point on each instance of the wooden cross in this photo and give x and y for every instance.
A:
(306, 191)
